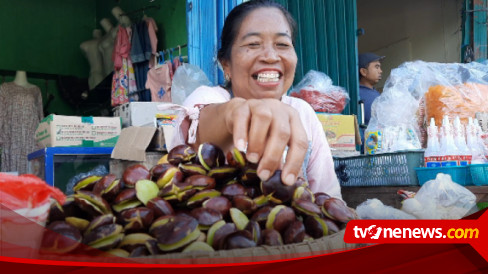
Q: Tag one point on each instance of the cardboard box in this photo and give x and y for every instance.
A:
(76, 131)
(131, 149)
(342, 131)
(137, 113)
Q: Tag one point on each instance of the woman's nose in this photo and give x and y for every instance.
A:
(270, 54)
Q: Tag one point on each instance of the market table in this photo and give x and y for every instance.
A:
(388, 194)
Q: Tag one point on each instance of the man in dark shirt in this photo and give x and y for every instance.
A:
(369, 75)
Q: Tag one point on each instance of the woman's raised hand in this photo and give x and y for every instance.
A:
(267, 127)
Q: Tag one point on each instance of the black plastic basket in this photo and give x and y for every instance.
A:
(386, 169)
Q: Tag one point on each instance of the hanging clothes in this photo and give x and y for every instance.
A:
(123, 79)
(176, 64)
(20, 114)
(152, 28)
(140, 54)
(159, 82)
(141, 44)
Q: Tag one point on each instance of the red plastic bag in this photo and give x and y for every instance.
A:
(24, 209)
(316, 88)
(26, 191)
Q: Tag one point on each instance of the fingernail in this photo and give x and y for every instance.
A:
(289, 179)
(264, 175)
(253, 157)
(241, 145)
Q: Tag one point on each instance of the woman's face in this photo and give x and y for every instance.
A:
(263, 59)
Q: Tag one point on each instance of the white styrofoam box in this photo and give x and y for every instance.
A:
(137, 113)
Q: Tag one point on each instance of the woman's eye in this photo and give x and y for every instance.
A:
(283, 45)
(253, 44)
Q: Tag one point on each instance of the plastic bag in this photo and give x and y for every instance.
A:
(441, 199)
(99, 170)
(374, 209)
(317, 89)
(394, 126)
(24, 209)
(185, 80)
(427, 89)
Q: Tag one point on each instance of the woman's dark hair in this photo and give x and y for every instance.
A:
(236, 16)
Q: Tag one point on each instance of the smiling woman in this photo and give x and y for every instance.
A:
(252, 111)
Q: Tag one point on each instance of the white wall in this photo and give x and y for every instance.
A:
(428, 30)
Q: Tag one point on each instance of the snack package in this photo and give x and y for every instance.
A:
(317, 89)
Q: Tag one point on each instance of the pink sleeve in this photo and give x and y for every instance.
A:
(320, 170)
(151, 29)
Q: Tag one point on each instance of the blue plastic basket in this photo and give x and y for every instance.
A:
(459, 174)
(479, 174)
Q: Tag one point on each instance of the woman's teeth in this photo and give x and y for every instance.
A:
(268, 77)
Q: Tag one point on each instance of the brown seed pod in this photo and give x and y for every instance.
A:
(231, 190)
(295, 233)
(181, 154)
(134, 173)
(190, 169)
(238, 239)
(60, 237)
(177, 232)
(271, 237)
(244, 204)
(221, 204)
(236, 158)
(205, 217)
(223, 174)
(277, 190)
(306, 208)
(200, 182)
(210, 156)
(337, 210)
(91, 203)
(201, 196)
(160, 207)
(158, 170)
(86, 183)
(218, 231)
(280, 217)
(320, 198)
(315, 227)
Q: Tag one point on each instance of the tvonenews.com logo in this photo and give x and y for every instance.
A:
(375, 232)
(468, 231)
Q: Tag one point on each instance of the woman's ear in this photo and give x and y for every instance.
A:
(225, 67)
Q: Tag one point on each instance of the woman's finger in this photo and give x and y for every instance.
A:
(297, 150)
(240, 117)
(278, 139)
(261, 117)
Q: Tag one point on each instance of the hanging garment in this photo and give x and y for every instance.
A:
(20, 114)
(121, 48)
(176, 64)
(123, 79)
(120, 85)
(132, 77)
(141, 44)
(152, 28)
(159, 82)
